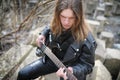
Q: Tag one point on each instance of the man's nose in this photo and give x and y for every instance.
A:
(67, 21)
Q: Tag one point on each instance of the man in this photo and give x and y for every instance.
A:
(73, 38)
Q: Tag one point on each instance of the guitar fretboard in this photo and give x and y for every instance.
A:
(57, 62)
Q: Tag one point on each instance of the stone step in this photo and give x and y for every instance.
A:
(29, 59)
(108, 37)
(100, 72)
(11, 60)
(51, 76)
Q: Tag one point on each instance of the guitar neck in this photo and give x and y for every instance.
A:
(57, 62)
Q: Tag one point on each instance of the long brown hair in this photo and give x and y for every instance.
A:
(79, 29)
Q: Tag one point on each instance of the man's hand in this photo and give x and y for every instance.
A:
(40, 40)
(62, 72)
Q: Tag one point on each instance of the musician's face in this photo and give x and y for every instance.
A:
(67, 18)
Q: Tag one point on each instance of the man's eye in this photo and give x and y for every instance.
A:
(63, 16)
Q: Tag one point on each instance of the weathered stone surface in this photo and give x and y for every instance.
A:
(90, 6)
(102, 21)
(29, 59)
(108, 0)
(100, 11)
(51, 77)
(108, 9)
(94, 25)
(10, 61)
(116, 7)
(108, 37)
(112, 61)
(100, 72)
(100, 50)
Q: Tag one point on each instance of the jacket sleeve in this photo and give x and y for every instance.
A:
(85, 61)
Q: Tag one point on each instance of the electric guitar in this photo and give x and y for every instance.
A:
(56, 61)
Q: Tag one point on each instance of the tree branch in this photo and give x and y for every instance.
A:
(27, 18)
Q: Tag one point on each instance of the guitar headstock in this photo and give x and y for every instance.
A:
(43, 46)
(40, 50)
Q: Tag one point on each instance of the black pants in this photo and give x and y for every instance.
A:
(36, 69)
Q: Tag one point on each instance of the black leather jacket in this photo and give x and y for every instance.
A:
(80, 56)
